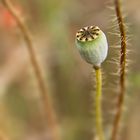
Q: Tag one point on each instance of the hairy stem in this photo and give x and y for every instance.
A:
(51, 118)
(98, 110)
(122, 70)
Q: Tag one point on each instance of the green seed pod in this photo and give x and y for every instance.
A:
(92, 45)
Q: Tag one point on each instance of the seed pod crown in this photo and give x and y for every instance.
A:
(88, 33)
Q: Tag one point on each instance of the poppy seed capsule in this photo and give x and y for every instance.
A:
(92, 45)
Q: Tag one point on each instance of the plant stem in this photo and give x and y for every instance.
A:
(122, 70)
(50, 115)
(98, 111)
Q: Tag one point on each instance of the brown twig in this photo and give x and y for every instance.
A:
(51, 118)
(122, 70)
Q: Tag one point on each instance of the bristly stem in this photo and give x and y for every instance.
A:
(122, 70)
(98, 110)
(50, 115)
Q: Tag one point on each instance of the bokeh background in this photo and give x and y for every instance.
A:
(69, 79)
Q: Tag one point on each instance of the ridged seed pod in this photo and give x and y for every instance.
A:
(92, 45)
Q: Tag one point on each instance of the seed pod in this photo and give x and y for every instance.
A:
(92, 45)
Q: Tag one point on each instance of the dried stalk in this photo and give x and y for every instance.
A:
(51, 118)
(122, 70)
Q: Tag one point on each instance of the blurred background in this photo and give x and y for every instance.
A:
(69, 79)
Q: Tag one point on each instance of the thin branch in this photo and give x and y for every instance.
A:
(122, 70)
(51, 118)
